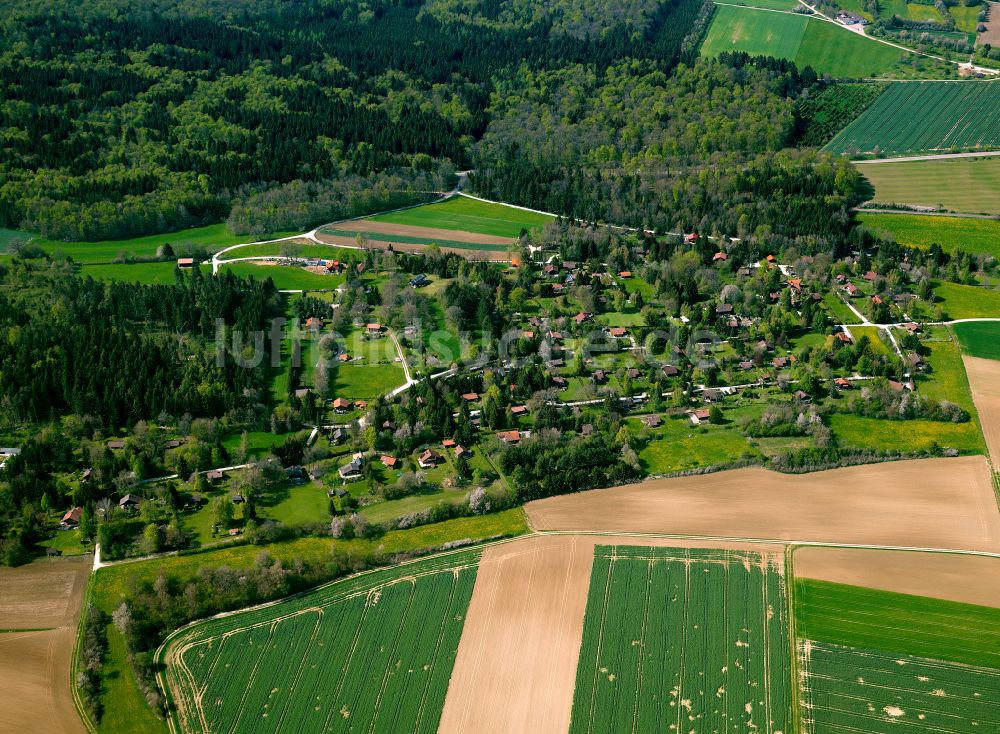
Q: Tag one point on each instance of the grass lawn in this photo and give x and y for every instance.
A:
(874, 335)
(286, 277)
(300, 505)
(967, 301)
(677, 445)
(827, 47)
(259, 443)
(887, 435)
(384, 511)
(9, 235)
(951, 233)
(947, 379)
(463, 214)
(979, 339)
(211, 238)
(839, 310)
(278, 249)
(969, 185)
(366, 381)
(67, 541)
(899, 623)
(772, 4)
(161, 273)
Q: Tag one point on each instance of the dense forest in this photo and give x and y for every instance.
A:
(119, 118)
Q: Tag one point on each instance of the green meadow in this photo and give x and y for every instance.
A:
(463, 214)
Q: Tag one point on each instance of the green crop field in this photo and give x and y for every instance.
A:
(463, 214)
(373, 653)
(770, 4)
(923, 117)
(827, 47)
(979, 338)
(969, 185)
(850, 690)
(951, 233)
(899, 623)
(674, 636)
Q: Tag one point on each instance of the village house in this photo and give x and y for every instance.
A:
(216, 475)
(670, 371)
(314, 323)
(185, 262)
(462, 453)
(780, 362)
(429, 459)
(449, 443)
(71, 519)
(339, 435)
(746, 364)
(238, 499)
(803, 396)
(470, 397)
(389, 462)
(912, 327)
(510, 437)
(419, 281)
(842, 383)
(582, 317)
(852, 290)
(720, 257)
(352, 470)
(617, 332)
(724, 308)
(519, 409)
(129, 502)
(700, 416)
(844, 337)
(870, 276)
(599, 377)
(341, 405)
(116, 444)
(652, 421)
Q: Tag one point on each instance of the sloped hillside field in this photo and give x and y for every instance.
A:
(373, 653)
(926, 117)
(684, 640)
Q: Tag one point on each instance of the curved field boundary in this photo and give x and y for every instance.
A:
(335, 653)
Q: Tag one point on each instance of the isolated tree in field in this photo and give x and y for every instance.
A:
(222, 511)
(715, 414)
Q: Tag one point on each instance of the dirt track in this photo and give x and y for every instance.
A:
(984, 379)
(430, 233)
(35, 666)
(969, 579)
(516, 665)
(928, 503)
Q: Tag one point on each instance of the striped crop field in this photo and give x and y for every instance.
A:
(847, 690)
(925, 117)
(373, 653)
(681, 640)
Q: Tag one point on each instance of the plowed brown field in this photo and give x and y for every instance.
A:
(962, 578)
(35, 666)
(984, 380)
(429, 233)
(516, 665)
(927, 503)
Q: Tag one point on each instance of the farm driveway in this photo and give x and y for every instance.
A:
(984, 379)
(35, 666)
(926, 503)
(516, 665)
(952, 576)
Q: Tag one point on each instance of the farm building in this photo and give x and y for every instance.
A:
(71, 519)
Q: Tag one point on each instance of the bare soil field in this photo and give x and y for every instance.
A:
(952, 576)
(35, 666)
(984, 379)
(430, 233)
(992, 33)
(491, 255)
(517, 660)
(927, 503)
